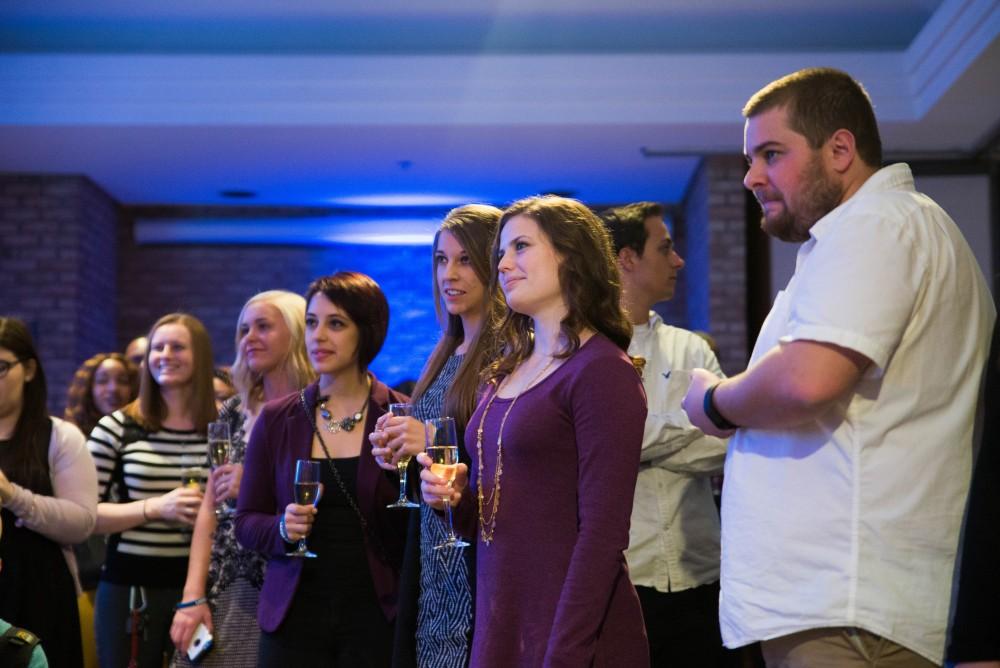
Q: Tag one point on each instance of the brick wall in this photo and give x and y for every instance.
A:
(58, 259)
(72, 269)
(213, 282)
(715, 211)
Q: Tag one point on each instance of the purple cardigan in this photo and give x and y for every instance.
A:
(281, 435)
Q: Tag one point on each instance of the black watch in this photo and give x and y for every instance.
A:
(713, 413)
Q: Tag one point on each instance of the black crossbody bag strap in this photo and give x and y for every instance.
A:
(369, 534)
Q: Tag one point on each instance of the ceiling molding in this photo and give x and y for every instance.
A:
(411, 90)
(948, 44)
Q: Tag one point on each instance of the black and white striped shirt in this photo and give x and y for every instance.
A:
(154, 553)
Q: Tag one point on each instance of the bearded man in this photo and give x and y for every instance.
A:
(852, 429)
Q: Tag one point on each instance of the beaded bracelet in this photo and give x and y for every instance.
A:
(283, 531)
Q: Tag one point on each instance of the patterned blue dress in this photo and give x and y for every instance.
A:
(444, 611)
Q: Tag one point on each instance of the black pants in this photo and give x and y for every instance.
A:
(329, 630)
(683, 626)
(111, 612)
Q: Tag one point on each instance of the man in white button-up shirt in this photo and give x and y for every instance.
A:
(673, 553)
(847, 477)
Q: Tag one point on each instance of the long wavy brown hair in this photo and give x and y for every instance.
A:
(588, 279)
(474, 227)
(149, 410)
(81, 409)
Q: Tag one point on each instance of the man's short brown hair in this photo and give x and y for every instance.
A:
(820, 101)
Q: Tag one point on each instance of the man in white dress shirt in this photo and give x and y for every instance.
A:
(849, 468)
(673, 554)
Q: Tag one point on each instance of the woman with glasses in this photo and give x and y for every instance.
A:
(48, 491)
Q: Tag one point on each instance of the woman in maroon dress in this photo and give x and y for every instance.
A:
(555, 452)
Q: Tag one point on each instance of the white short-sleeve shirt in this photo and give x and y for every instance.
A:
(853, 519)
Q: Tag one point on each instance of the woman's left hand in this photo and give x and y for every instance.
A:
(435, 490)
(225, 481)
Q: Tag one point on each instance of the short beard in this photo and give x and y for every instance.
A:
(820, 195)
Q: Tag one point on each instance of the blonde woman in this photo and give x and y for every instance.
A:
(224, 579)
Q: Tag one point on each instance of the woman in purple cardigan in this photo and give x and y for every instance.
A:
(336, 609)
(555, 453)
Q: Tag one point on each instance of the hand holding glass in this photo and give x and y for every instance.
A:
(402, 410)
(306, 494)
(442, 448)
(219, 448)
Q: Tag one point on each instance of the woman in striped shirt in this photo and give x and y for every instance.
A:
(141, 452)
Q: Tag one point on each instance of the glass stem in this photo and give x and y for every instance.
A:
(401, 468)
(451, 527)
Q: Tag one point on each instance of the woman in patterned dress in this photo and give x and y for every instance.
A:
(270, 362)
(434, 626)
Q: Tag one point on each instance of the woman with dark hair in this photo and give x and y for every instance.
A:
(336, 609)
(222, 385)
(558, 432)
(434, 625)
(102, 385)
(148, 500)
(224, 578)
(48, 490)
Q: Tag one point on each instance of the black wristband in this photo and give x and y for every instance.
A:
(713, 414)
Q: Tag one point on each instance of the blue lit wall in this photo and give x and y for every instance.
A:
(213, 282)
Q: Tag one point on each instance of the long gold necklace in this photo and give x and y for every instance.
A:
(488, 525)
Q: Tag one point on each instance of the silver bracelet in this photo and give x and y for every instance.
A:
(283, 531)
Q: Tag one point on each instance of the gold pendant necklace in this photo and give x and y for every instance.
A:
(488, 526)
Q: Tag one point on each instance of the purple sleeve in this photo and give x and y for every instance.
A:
(257, 515)
(608, 409)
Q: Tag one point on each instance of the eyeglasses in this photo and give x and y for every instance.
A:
(6, 366)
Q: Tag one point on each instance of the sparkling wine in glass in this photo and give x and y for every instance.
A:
(192, 473)
(442, 448)
(306, 493)
(219, 448)
(192, 477)
(402, 410)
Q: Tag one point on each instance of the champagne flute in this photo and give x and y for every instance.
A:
(219, 448)
(192, 477)
(442, 448)
(306, 493)
(402, 410)
(192, 474)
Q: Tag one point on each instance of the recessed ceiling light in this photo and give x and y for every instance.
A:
(403, 199)
(235, 193)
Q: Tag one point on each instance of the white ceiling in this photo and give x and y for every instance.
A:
(316, 103)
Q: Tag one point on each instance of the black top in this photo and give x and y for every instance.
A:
(336, 537)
